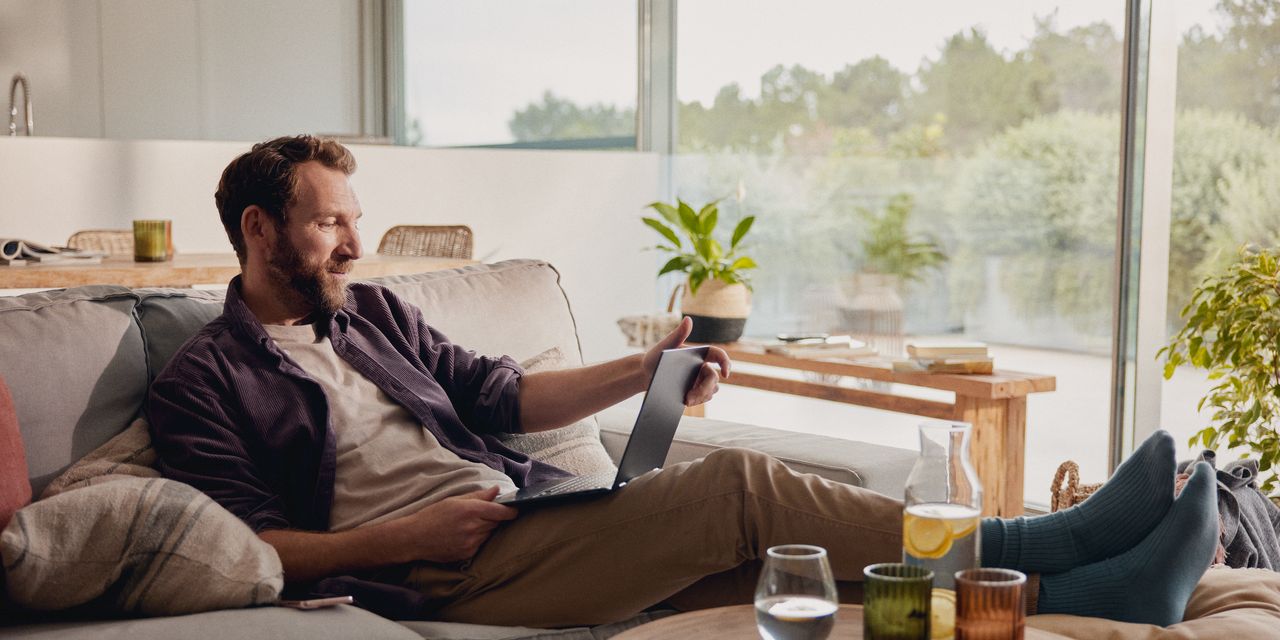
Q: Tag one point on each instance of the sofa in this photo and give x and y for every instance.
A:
(78, 362)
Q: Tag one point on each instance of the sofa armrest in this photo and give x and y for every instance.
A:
(878, 468)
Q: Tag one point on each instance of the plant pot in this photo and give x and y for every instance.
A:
(719, 311)
(874, 313)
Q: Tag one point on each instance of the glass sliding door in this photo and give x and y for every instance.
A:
(865, 135)
(1226, 166)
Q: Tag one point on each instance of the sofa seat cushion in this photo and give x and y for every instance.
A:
(878, 468)
(264, 623)
(1227, 603)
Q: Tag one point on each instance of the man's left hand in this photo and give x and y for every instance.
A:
(714, 367)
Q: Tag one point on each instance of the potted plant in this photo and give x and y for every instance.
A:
(717, 292)
(1233, 331)
(890, 256)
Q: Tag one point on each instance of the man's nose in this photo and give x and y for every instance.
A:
(351, 248)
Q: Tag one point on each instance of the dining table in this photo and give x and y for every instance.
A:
(185, 270)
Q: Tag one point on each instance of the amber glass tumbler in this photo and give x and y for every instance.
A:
(990, 604)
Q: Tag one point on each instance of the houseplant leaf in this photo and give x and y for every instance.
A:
(666, 231)
(741, 230)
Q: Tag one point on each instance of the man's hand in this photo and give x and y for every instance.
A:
(708, 379)
(454, 528)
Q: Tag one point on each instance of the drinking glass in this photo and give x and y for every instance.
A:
(896, 601)
(796, 595)
(990, 604)
(152, 240)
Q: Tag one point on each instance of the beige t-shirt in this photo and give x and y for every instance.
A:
(388, 464)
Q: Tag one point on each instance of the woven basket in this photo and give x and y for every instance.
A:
(1072, 493)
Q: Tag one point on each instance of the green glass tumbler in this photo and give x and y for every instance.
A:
(152, 240)
(896, 602)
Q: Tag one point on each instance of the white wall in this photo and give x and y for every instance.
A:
(579, 210)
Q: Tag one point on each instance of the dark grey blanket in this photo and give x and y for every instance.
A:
(1250, 520)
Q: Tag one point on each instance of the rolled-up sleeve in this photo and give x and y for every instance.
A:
(484, 390)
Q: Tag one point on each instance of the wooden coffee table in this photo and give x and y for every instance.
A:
(739, 622)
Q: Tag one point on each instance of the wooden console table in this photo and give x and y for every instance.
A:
(996, 406)
(186, 269)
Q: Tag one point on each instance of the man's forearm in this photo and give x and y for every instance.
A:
(551, 399)
(308, 555)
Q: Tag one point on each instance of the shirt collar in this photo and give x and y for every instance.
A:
(242, 317)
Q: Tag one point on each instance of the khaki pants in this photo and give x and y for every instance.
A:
(691, 536)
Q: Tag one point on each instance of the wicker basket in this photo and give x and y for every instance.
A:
(1072, 493)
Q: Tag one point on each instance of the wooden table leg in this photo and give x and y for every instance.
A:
(998, 450)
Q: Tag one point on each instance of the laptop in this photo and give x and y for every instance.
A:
(650, 437)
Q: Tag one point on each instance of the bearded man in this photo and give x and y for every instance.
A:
(359, 442)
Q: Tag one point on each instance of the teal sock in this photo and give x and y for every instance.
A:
(1152, 582)
(1113, 520)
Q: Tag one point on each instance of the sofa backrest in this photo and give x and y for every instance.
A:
(75, 363)
(78, 361)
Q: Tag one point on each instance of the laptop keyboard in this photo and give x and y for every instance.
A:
(578, 483)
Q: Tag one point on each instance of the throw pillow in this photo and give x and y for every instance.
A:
(575, 448)
(15, 488)
(128, 455)
(139, 546)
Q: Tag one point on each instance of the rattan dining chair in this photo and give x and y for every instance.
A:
(437, 241)
(113, 242)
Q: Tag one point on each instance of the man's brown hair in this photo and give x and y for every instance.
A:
(266, 176)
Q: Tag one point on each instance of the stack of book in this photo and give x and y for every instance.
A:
(946, 357)
(840, 347)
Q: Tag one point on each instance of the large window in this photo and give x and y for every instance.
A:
(990, 130)
(1226, 162)
(548, 74)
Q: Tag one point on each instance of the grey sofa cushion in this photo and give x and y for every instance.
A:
(514, 308)
(74, 361)
(878, 468)
(266, 623)
(169, 317)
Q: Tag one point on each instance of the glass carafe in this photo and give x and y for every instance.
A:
(943, 503)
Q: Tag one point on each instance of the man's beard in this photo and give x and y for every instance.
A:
(309, 284)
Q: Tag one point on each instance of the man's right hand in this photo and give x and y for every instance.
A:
(453, 529)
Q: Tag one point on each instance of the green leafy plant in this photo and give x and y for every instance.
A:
(1233, 331)
(702, 256)
(889, 247)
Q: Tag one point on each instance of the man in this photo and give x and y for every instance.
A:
(358, 441)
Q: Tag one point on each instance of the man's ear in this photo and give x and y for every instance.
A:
(257, 227)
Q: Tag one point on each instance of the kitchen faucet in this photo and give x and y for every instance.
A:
(18, 78)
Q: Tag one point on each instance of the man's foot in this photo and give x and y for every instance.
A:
(1152, 582)
(1114, 519)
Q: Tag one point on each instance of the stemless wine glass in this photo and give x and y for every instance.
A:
(796, 596)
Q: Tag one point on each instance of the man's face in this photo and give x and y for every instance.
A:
(318, 242)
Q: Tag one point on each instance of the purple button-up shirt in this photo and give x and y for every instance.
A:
(235, 417)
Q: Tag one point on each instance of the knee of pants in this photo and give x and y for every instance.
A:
(735, 465)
